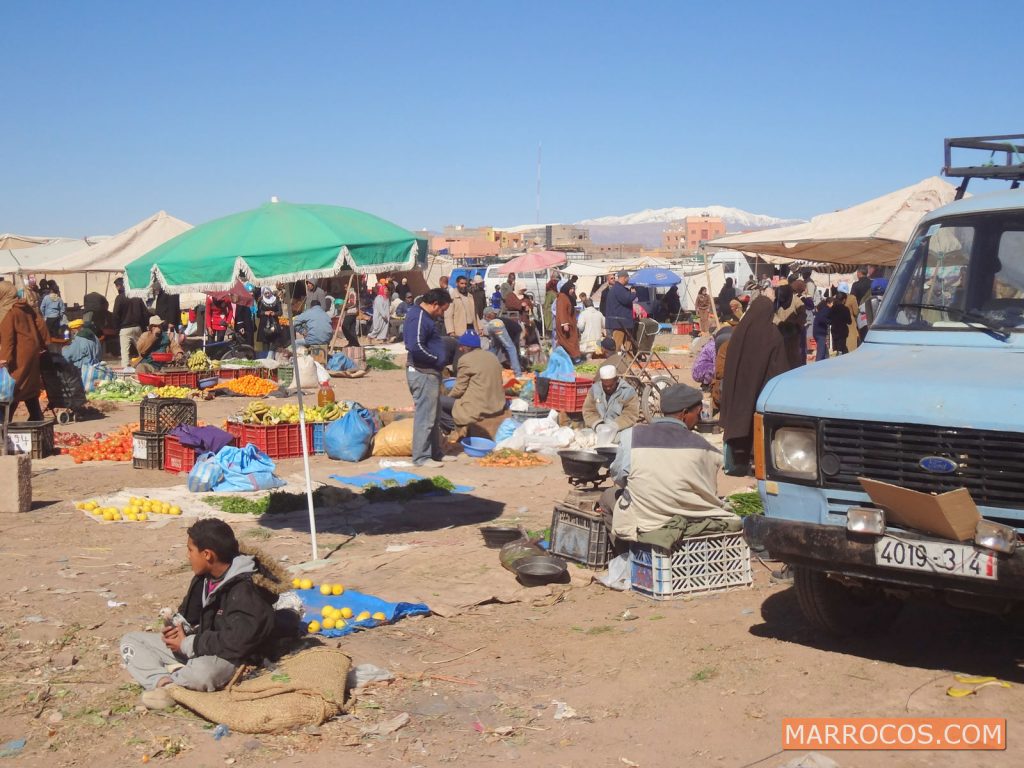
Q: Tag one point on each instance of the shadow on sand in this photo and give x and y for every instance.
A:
(927, 634)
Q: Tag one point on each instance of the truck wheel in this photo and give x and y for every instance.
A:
(840, 609)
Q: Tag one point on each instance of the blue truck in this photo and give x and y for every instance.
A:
(933, 402)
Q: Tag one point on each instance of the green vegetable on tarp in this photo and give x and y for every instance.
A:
(381, 360)
(389, 490)
(120, 390)
(747, 503)
(275, 502)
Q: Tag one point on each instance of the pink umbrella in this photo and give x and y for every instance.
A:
(534, 261)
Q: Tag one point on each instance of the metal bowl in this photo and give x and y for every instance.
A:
(496, 536)
(583, 465)
(609, 452)
(541, 569)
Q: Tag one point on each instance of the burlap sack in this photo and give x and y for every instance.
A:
(306, 689)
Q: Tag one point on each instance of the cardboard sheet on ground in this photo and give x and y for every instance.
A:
(313, 601)
(378, 478)
(952, 515)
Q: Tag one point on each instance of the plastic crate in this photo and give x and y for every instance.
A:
(683, 329)
(236, 429)
(285, 375)
(565, 396)
(237, 373)
(32, 437)
(162, 414)
(147, 450)
(188, 379)
(177, 457)
(278, 441)
(580, 537)
(319, 433)
(698, 565)
(529, 413)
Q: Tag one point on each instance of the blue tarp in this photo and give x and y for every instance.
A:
(313, 601)
(655, 277)
(378, 478)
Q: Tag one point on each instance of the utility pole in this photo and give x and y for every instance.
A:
(538, 183)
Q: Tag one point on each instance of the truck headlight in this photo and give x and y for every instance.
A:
(795, 452)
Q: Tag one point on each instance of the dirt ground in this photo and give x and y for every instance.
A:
(702, 681)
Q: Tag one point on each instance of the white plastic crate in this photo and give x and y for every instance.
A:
(694, 566)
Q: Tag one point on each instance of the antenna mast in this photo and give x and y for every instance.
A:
(538, 182)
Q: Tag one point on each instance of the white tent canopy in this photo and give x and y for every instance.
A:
(874, 232)
(114, 253)
(41, 258)
(601, 267)
(11, 241)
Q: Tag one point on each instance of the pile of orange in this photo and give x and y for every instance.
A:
(253, 386)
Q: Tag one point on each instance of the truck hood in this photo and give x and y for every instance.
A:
(979, 388)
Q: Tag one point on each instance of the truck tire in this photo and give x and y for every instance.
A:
(843, 610)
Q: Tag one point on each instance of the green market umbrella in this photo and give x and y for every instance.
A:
(277, 242)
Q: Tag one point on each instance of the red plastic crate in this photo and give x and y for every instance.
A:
(684, 329)
(567, 397)
(177, 457)
(237, 373)
(188, 379)
(236, 430)
(278, 441)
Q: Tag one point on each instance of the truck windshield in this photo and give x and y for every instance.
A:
(959, 274)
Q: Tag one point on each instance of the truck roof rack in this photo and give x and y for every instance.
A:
(1011, 170)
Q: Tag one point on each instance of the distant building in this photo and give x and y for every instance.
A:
(687, 235)
(464, 247)
(472, 233)
(565, 235)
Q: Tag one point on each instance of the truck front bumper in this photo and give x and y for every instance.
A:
(833, 549)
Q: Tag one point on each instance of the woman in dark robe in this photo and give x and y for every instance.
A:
(727, 294)
(756, 354)
(567, 334)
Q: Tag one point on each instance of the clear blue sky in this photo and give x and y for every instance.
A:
(429, 113)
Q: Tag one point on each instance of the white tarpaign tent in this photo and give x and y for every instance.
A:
(115, 252)
(874, 232)
(602, 267)
(41, 258)
(11, 241)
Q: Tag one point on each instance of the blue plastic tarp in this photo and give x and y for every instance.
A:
(313, 602)
(654, 276)
(378, 478)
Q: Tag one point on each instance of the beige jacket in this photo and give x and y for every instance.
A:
(461, 314)
(479, 391)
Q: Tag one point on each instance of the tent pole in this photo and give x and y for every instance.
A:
(707, 279)
(302, 423)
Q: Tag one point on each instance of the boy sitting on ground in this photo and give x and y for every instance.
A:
(225, 620)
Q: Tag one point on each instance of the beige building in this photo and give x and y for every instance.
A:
(687, 235)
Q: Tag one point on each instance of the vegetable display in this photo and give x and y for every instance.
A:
(116, 446)
(258, 412)
(391, 490)
(273, 503)
(381, 360)
(507, 457)
(747, 503)
(120, 390)
(253, 386)
(198, 361)
(170, 391)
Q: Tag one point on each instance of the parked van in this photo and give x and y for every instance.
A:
(533, 282)
(932, 402)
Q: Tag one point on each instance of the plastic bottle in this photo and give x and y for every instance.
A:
(324, 395)
(67, 334)
(220, 732)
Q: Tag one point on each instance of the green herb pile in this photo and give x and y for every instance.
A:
(747, 503)
(391, 490)
(588, 367)
(275, 502)
(120, 390)
(381, 360)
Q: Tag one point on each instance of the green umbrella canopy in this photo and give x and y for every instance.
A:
(275, 242)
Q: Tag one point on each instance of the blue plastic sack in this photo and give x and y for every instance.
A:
(93, 375)
(6, 385)
(506, 430)
(205, 474)
(348, 438)
(560, 367)
(339, 361)
(246, 469)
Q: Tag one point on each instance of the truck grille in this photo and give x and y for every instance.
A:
(990, 464)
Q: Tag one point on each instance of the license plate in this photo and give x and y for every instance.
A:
(935, 557)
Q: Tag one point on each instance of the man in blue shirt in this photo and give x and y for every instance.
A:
(428, 353)
(618, 316)
(314, 325)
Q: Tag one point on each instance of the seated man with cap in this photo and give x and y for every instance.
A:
(479, 392)
(85, 348)
(611, 357)
(668, 477)
(502, 340)
(611, 401)
(154, 339)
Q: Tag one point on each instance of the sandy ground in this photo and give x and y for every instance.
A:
(703, 681)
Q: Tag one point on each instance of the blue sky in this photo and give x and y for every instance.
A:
(429, 113)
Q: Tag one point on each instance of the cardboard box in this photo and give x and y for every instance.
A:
(951, 515)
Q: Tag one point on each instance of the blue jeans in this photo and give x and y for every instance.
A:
(426, 429)
(821, 353)
(500, 336)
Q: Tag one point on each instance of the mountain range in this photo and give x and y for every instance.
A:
(645, 227)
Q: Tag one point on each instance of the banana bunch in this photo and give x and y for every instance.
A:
(258, 412)
(198, 361)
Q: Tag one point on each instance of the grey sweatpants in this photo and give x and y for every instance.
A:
(149, 660)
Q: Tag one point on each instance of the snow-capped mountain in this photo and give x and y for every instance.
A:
(735, 218)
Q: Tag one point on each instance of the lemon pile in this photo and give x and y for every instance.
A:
(331, 617)
(136, 511)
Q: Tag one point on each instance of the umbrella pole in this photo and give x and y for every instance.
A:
(302, 424)
(714, 304)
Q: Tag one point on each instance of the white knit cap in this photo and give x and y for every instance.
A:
(608, 372)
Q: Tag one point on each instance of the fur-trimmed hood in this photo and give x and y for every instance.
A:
(268, 573)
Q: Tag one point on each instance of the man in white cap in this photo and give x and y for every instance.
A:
(669, 478)
(611, 401)
(155, 340)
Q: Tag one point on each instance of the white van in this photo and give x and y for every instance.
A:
(533, 282)
(734, 265)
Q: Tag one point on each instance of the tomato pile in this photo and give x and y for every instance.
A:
(116, 446)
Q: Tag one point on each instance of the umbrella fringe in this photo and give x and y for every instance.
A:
(344, 260)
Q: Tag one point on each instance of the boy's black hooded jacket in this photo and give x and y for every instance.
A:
(237, 618)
